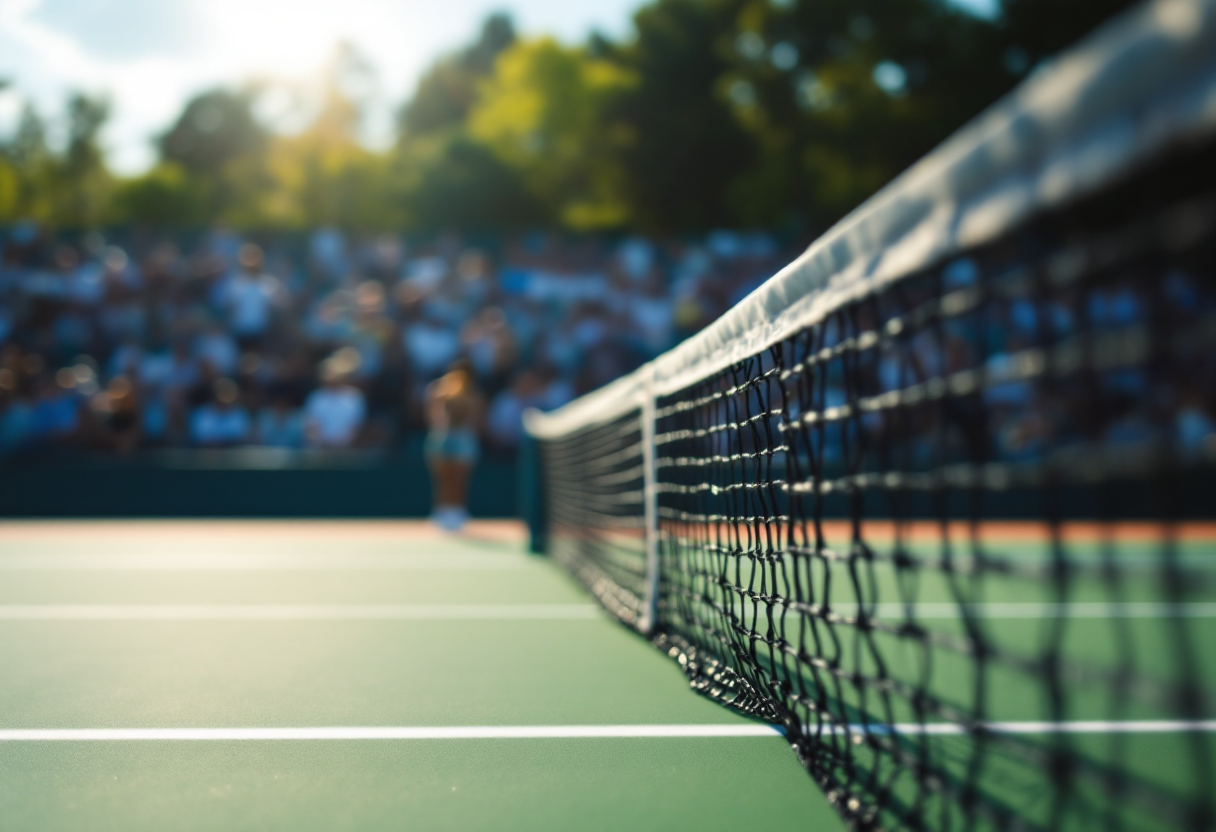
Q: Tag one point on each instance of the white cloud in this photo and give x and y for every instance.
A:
(47, 52)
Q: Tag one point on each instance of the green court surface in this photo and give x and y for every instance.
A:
(323, 632)
(347, 625)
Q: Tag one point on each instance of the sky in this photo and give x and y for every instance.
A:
(150, 56)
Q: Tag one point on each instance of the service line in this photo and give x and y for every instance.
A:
(297, 612)
(494, 732)
(256, 562)
(1034, 610)
(846, 613)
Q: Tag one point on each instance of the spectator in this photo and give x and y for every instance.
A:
(217, 348)
(334, 413)
(280, 425)
(549, 317)
(504, 421)
(56, 415)
(221, 422)
(431, 345)
(120, 421)
(249, 298)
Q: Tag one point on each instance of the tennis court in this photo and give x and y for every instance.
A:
(376, 626)
(932, 506)
(322, 671)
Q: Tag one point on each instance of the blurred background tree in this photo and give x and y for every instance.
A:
(205, 157)
(323, 175)
(447, 90)
(687, 146)
(842, 95)
(544, 113)
(71, 187)
(782, 114)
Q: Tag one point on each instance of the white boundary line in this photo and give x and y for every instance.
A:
(493, 732)
(249, 562)
(1016, 610)
(950, 729)
(330, 612)
(547, 612)
(480, 732)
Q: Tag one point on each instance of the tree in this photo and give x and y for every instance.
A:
(453, 182)
(323, 175)
(67, 188)
(29, 163)
(167, 195)
(213, 161)
(711, 113)
(28, 146)
(447, 90)
(844, 94)
(686, 145)
(215, 128)
(83, 174)
(544, 113)
(10, 192)
(1025, 39)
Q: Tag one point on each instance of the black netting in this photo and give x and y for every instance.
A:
(835, 546)
(594, 488)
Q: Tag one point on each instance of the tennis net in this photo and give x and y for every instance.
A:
(808, 505)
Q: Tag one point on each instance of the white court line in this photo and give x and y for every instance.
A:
(1161, 726)
(491, 732)
(448, 612)
(286, 612)
(476, 732)
(1080, 609)
(252, 562)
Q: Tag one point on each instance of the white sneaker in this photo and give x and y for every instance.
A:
(449, 518)
(439, 516)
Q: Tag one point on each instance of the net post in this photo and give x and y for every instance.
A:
(531, 489)
(650, 512)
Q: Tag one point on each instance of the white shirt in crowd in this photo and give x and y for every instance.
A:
(333, 416)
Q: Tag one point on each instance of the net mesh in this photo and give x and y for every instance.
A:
(595, 477)
(832, 556)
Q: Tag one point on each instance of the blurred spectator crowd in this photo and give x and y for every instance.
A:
(328, 342)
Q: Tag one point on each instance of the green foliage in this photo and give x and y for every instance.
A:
(83, 182)
(448, 89)
(848, 93)
(10, 191)
(70, 188)
(453, 182)
(213, 129)
(167, 195)
(763, 113)
(688, 147)
(542, 114)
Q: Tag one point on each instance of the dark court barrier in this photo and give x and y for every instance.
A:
(243, 482)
